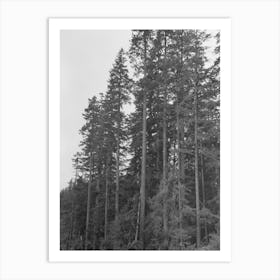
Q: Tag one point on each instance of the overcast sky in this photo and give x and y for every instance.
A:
(86, 58)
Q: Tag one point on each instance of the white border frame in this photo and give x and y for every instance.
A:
(55, 255)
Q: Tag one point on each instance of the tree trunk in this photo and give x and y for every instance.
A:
(196, 169)
(179, 154)
(72, 220)
(95, 214)
(143, 166)
(158, 142)
(203, 194)
(118, 168)
(137, 222)
(158, 153)
(164, 173)
(88, 201)
(70, 234)
(179, 172)
(106, 199)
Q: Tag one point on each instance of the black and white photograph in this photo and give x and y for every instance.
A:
(145, 174)
(140, 140)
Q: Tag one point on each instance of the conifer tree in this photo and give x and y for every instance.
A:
(139, 51)
(89, 147)
(119, 87)
(117, 95)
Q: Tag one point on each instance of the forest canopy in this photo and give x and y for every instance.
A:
(150, 180)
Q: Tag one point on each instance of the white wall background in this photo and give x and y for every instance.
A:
(255, 139)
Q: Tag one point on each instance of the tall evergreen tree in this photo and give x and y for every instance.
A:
(139, 51)
(90, 150)
(119, 87)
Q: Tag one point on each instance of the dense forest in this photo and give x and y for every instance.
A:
(150, 180)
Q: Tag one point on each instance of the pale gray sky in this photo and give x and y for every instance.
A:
(86, 58)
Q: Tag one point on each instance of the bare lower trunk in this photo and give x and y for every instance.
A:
(180, 137)
(137, 222)
(106, 200)
(179, 172)
(164, 174)
(70, 233)
(95, 214)
(203, 195)
(117, 173)
(143, 165)
(88, 201)
(72, 221)
(158, 154)
(196, 170)
(158, 144)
